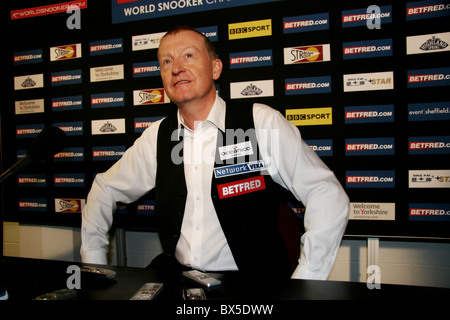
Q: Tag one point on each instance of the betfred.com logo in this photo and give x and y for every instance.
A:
(429, 211)
(369, 146)
(370, 179)
(428, 77)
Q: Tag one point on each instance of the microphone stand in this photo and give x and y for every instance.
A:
(16, 168)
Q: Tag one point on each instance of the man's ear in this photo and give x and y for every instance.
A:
(217, 68)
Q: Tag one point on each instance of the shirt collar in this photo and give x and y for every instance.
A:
(216, 116)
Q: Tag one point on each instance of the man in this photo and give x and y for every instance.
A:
(216, 197)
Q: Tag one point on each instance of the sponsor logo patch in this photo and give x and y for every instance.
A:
(372, 211)
(369, 81)
(306, 23)
(66, 77)
(240, 187)
(236, 150)
(150, 96)
(429, 212)
(107, 73)
(429, 178)
(360, 17)
(33, 204)
(69, 205)
(31, 81)
(239, 169)
(310, 116)
(369, 146)
(428, 77)
(429, 111)
(250, 29)
(428, 43)
(367, 49)
(70, 51)
(308, 85)
(427, 9)
(370, 179)
(305, 54)
(429, 145)
(252, 89)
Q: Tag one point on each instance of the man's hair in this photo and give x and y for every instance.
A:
(208, 44)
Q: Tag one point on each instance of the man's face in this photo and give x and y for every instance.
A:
(187, 71)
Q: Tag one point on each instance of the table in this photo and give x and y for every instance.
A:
(26, 279)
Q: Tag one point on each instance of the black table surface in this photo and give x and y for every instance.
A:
(26, 279)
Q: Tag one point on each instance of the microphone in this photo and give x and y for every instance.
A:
(49, 142)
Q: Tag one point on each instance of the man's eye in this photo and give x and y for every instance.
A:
(189, 55)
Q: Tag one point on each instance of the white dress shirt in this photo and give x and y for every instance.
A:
(202, 244)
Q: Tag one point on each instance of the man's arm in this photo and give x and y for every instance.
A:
(295, 166)
(126, 181)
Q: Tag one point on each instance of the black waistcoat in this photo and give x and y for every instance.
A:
(247, 204)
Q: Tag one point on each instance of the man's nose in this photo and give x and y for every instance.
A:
(177, 67)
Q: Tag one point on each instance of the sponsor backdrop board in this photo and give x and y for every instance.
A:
(365, 82)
